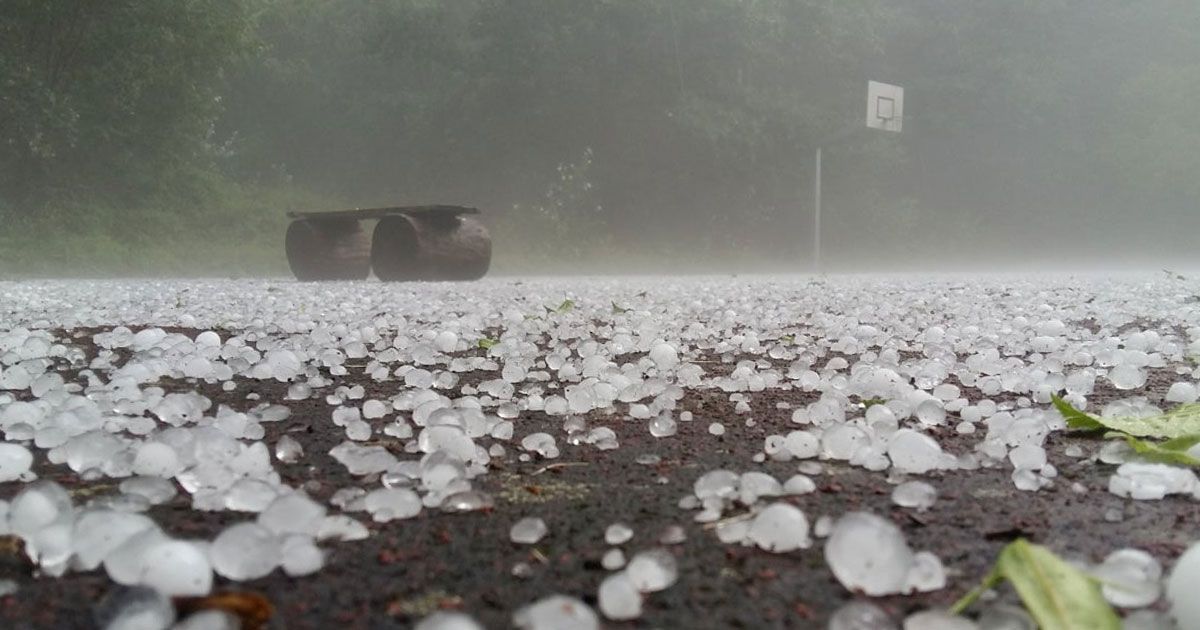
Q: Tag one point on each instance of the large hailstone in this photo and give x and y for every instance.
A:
(869, 554)
(664, 356)
(245, 551)
(1130, 578)
(653, 570)
(556, 612)
(618, 598)
(780, 527)
(448, 620)
(15, 461)
(1181, 588)
(177, 567)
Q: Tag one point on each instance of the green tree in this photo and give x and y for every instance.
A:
(109, 99)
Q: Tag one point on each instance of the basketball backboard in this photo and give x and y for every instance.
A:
(885, 106)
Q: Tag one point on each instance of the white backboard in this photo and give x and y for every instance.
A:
(885, 106)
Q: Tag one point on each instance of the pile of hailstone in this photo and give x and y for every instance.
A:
(980, 358)
(865, 552)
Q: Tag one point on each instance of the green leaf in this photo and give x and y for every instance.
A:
(566, 305)
(1169, 452)
(1075, 418)
(1056, 594)
(867, 403)
(487, 343)
(993, 578)
(1181, 443)
(1181, 422)
(1059, 596)
(1174, 424)
(789, 339)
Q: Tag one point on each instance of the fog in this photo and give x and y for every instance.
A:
(596, 137)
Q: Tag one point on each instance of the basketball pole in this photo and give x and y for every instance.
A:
(878, 117)
(817, 216)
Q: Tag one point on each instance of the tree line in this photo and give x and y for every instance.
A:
(661, 125)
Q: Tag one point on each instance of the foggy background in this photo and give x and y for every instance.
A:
(144, 137)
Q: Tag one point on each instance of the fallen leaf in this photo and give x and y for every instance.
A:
(1181, 422)
(1169, 452)
(1056, 594)
(252, 609)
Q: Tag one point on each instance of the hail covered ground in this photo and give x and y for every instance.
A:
(849, 451)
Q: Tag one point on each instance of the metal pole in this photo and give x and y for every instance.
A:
(817, 217)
